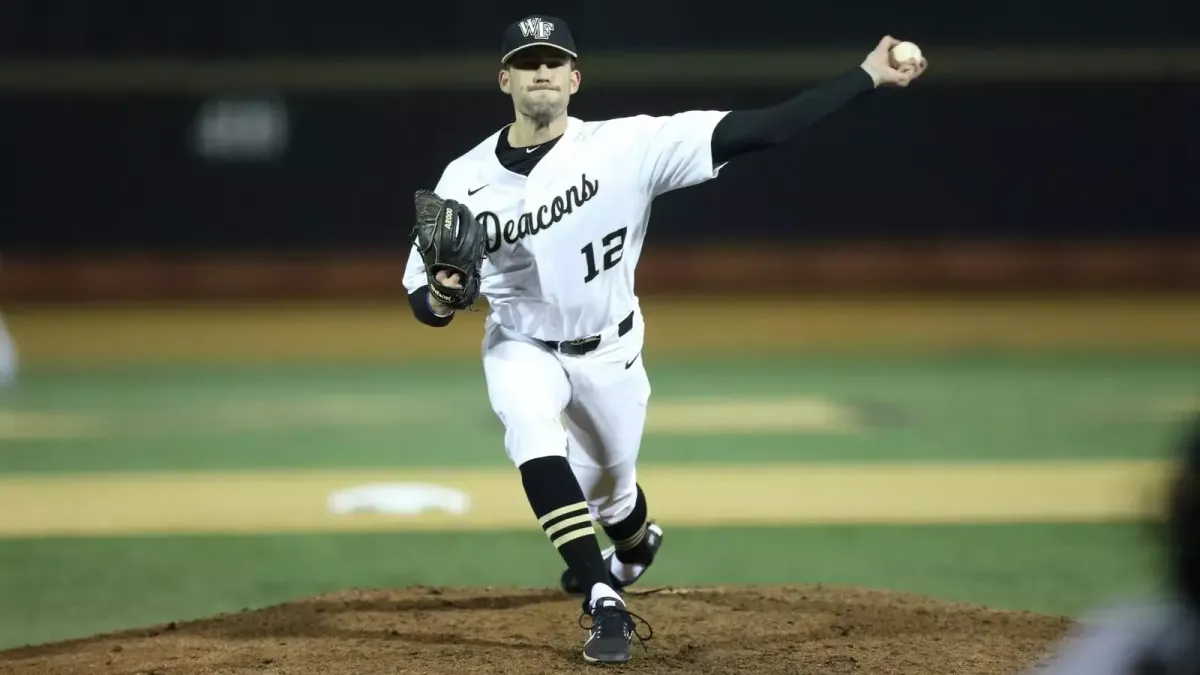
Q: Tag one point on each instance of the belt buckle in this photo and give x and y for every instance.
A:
(579, 344)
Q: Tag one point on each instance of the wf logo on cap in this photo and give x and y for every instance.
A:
(536, 28)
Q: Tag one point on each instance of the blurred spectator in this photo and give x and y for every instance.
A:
(1160, 636)
(8, 356)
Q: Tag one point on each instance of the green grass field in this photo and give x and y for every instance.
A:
(64, 430)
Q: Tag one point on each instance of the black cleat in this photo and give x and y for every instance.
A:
(654, 536)
(612, 631)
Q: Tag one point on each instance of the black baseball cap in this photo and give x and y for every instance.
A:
(535, 31)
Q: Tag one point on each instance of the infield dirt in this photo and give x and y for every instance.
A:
(422, 631)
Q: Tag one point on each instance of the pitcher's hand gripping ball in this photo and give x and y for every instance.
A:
(449, 238)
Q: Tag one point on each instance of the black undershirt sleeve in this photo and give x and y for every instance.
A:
(744, 131)
(419, 301)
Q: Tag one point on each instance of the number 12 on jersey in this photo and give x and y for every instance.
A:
(614, 244)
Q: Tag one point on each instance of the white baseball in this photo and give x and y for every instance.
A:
(905, 51)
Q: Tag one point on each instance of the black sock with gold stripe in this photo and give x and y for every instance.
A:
(629, 535)
(558, 503)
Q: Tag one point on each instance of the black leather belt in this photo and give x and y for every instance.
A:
(582, 346)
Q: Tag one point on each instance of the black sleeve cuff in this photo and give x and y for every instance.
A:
(419, 301)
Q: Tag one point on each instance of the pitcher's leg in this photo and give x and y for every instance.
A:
(619, 504)
(604, 459)
(605, 423)
(528, 391)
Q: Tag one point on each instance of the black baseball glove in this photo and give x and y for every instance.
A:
(449, 238)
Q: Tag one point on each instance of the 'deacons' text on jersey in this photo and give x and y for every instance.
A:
(564, 241)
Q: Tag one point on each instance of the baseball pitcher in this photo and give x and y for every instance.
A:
(545, 217)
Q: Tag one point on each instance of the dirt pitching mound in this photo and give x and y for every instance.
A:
(526, 631)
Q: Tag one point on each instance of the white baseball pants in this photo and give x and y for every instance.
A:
(590, 408)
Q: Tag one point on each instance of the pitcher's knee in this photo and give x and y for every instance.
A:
(527, 438)
(615, 507)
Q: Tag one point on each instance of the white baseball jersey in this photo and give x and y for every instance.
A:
(564, 241)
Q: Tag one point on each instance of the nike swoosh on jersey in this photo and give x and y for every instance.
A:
(529, 150)
(471, 192)
(630, 362)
